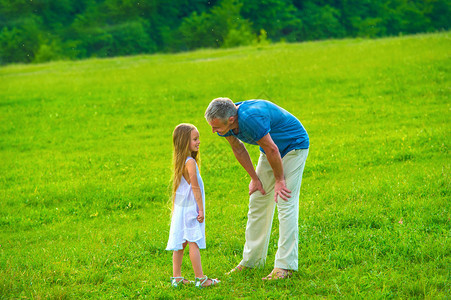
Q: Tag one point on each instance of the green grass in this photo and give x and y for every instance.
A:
(85, 151)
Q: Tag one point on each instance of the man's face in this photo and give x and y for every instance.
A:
(220, 127)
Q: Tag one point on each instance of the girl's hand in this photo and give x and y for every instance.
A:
(200, 216)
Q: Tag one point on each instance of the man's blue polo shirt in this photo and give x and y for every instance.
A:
(256, 118)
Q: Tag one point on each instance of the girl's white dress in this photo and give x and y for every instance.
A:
(184, 224)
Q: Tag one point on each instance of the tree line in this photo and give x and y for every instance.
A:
(45, 30)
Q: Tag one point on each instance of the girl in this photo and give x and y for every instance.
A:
(188, 202)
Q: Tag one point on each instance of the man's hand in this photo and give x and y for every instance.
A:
(280, 190)
(256, 185)
(200, 216)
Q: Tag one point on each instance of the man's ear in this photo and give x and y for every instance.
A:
(232, 119)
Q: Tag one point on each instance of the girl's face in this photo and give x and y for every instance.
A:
(194, 141)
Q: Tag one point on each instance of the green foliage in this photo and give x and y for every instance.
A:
(49, 51)
(222, 26)
(321, 22)
(196, 31)
(263, 38)
(20, 43)
(101, 28)
(131, 38)
(86, 151)
(238, 37)
(11, 10)
(277, 17)
(237, 31)
(36, 31)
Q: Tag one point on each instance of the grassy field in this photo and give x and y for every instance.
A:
(85, 151)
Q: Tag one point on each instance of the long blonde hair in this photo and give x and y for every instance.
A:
(181, 138)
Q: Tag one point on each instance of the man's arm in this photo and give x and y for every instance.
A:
(275, 160)
(241, 154)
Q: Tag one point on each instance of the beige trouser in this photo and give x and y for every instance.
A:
(261, 213)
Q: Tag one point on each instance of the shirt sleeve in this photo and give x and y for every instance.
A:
(256, 126)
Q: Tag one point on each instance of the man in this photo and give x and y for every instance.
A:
(284, 145)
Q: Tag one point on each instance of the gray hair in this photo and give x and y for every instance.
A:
(220, 108)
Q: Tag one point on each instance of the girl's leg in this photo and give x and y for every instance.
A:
(194, 255)
(177, 257)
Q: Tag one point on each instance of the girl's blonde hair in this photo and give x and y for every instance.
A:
(181, 138)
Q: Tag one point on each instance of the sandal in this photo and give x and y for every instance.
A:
(181, 280)
(278, 273)
(238, 268)
(199, 283)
